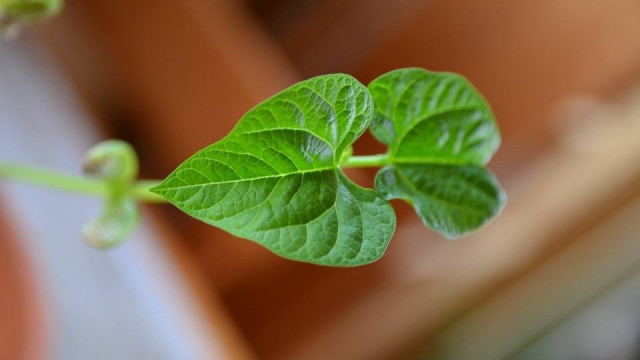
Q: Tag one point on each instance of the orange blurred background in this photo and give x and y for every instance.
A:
(555, 276)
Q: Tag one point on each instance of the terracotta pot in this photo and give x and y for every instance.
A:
(21, 320)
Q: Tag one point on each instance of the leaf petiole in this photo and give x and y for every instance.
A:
(140, 191)
(378, 160)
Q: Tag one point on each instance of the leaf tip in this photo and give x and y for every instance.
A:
(159, 189)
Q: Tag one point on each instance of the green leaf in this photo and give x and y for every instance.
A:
(450, 199)
(30, 9)
(430, 117)
(441, 132)
(275, 178)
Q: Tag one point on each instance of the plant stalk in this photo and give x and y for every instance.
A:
(75, 184)
(378, 160)
(140, 189)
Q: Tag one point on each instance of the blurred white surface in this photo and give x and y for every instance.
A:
(126, 303)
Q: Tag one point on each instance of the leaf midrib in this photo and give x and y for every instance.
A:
(246, 179)
(395, 146)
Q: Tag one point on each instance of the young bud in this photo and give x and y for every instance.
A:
(14, 14)
(116, 223)
(112, 160)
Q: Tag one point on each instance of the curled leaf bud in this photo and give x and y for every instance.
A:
(116, 223)
(116, 163)
(112, 160)
(16, 13)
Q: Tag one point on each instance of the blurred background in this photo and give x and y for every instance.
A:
(555, 276)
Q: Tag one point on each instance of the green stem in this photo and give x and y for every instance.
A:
(139, 190)
(377, 160)
(76, 184)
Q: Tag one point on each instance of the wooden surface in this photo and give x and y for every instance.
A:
(598, 261)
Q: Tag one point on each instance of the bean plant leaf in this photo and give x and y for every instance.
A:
(274, 178)
(430, 117)
(441, 133)
(450, 199)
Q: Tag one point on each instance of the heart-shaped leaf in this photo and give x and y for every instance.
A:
(440, 132)
(275, 178)
(450, 199)
(431, 117)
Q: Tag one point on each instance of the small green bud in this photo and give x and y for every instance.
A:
(117, 222)
(30, 9)
(16, 13)
(112, 160)
(116, 163)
